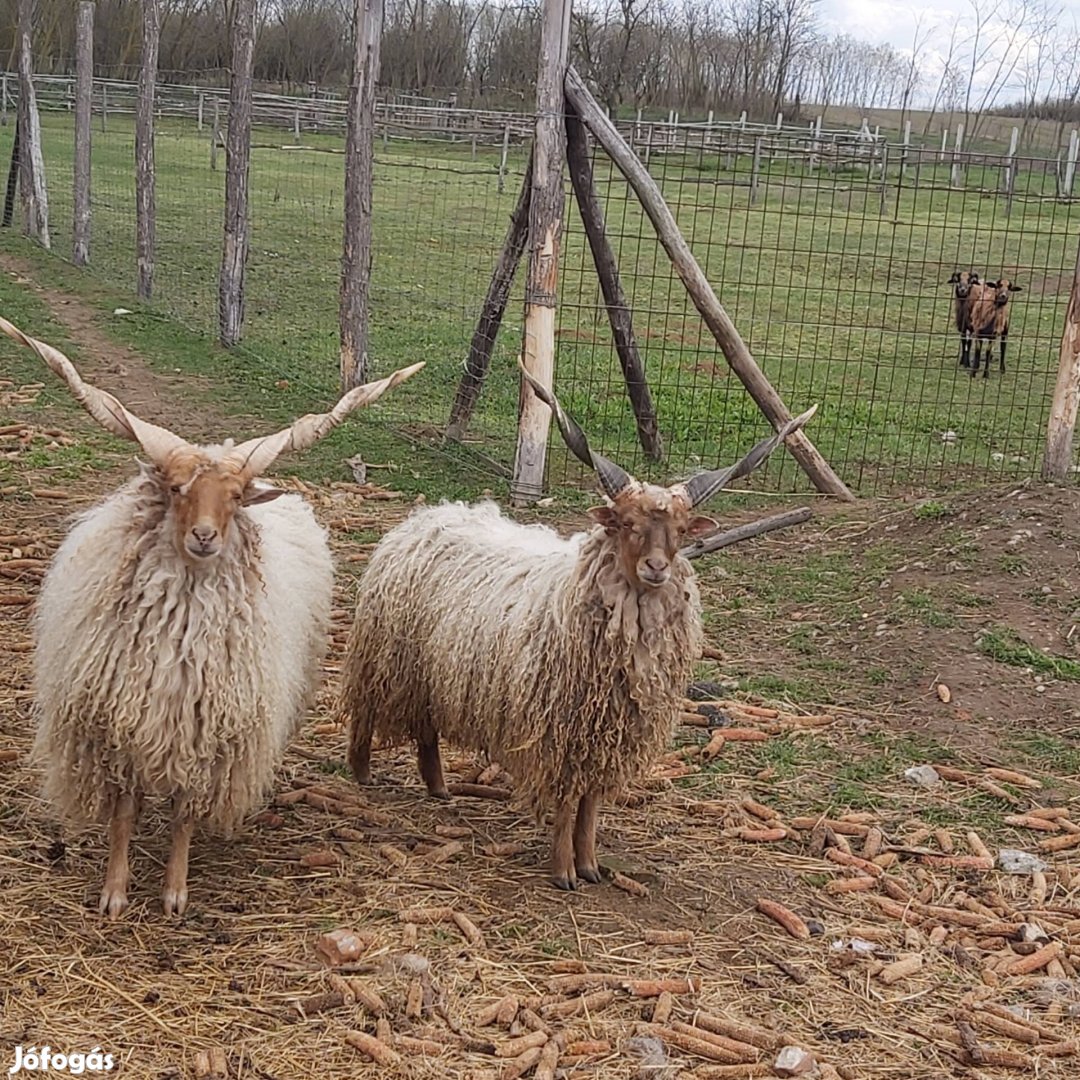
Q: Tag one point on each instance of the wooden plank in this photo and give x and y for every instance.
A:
(491, 314)
(237, 161)
(32, 189)
(359, 168)
(622, 323)
(84, 91)
(701, 292)
(145, 209)
(1057, 461)
(12, 180)
(708, 544)
(545, 236)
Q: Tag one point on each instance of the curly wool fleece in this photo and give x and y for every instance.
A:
(156, 677)
(508, 639)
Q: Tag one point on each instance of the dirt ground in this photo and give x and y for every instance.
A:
(874, 639)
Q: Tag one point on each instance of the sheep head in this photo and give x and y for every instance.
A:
(1001, 290)
(963, 280)
(650, 523)
(204, 486)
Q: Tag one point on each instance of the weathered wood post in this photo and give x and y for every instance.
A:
(1070, 164)
(104, 108)
(359, 169)
(491, 313)
(84, 90)
(3, 100)
(215, 134)
(697, 285)
(622, 328)
(1010, 171)
(545, 229)
(1059, 433)
(32, 189)
(202, 108)
(237, 166)
(144, 151)
(502, 159)
(956, 178)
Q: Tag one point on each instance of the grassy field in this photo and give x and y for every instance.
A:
(836, 280)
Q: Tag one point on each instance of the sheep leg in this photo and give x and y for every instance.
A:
(125, 813)
(1004, 336)
(978, 357)
(588, 869)
(965, 349)
(562, 848)
(360, 753)
(174, 893)
(430, 762)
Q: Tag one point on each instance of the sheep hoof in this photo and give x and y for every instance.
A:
(591, 874)
(174, 901)
(441, 793)
(113, 902)
(566, 883)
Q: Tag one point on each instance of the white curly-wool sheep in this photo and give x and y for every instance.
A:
(563, 659)
(179, 631)
(156, 676)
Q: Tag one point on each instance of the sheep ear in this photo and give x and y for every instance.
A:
(701, 526)
(253, 496)
(606, 516)
(953, 280)
(1016, 288)
(975, 279)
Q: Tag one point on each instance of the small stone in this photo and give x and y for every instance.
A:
(925, 776)
(340, 946)
(1013, 861)
(794, 1061)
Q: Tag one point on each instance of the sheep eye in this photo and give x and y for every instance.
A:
(175, 489)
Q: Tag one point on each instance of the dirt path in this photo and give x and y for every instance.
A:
(176, 402)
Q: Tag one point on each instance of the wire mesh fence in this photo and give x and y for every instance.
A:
(831, 252)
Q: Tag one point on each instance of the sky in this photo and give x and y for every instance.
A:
(894, 22)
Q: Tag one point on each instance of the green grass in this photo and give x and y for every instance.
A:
(804, 273)
(1007, 647)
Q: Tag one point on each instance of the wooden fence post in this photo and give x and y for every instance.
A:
(545, 228)
(701, 292)
(502, 159)
(237, 160)
(3, 100)
(32, 189)
(359, 173)
(491, 313)
(104, 108)
(1010, 171)
(215, 133)
(1057, 461)
(84, 90)
(145, 208)
(622, 327)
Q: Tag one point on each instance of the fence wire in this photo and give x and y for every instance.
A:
(832, 254)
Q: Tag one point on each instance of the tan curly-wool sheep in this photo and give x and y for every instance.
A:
(563, 659)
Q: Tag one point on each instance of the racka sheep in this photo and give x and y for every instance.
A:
(964, 283)
(179, 632)
(989, 320)
(563, 659)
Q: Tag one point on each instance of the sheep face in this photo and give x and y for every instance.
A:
(1001, 290)
(203, 496)
(963, 281)
(650, 525)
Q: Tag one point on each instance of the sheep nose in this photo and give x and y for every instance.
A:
(657, 566)
(204, 533)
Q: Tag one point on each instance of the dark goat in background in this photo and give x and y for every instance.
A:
(990, 319)
(965, 283)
